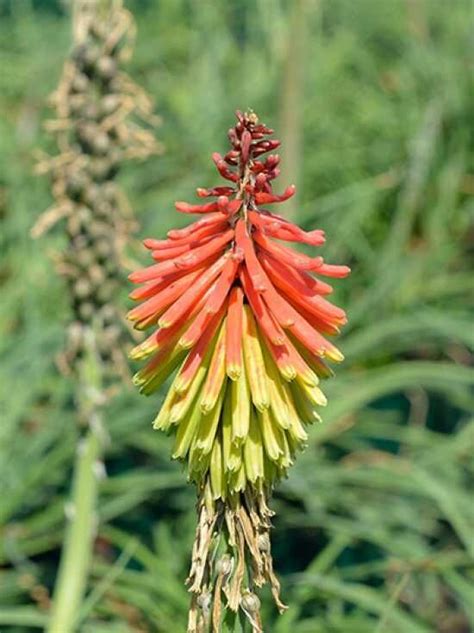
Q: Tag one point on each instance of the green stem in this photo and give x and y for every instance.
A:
(80, 533)
(233, 622)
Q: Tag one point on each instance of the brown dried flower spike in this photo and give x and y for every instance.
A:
(102, 119)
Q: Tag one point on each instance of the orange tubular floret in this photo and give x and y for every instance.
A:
(193, 238)
(195, 331)
(161, 300)
(209, 220)
(310, 300)
(286, 255)
(262, 197)
(226, 279)
(163, 254)
(312, 339)
(187, 261)
(244, 242)
(192, 294)
(160, 337)
(185, 207)
(278, 227)
(322, 312)
(283, 276)
(330, 270)
(164, 334)
(196, 355)
(234, 333)
(261, 312)
(151, 288)
(281, 356)
(159, 358)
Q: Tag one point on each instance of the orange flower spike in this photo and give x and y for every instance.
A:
(233, 345)
(244, 318)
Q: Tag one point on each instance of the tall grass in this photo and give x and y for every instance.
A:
(375, 523)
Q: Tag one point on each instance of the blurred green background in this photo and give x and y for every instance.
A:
(373, 99)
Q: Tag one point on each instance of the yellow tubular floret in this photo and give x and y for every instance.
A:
(217, 474)
(240, 400)
(275, 387)
(198, 464)
(231, 451)
(182, 381)
(216, 374)
(272, 435)
(304, 408)
(254, 364)
(182, 405)
(334, 354)
(314, 394)
(148, 382)
(186, 430)
(162, 420)
(317, 364)
(285, 460)
(238, 480)
(208, 426)
(295, 428)
(253, 451)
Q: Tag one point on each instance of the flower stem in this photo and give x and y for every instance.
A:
(76, 554)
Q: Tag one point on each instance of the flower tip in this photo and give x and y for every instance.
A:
(185, 343)
(137, 379)
(334, 354)
(233, 372)
(182, 206)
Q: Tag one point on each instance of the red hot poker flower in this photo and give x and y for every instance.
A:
(243, 318)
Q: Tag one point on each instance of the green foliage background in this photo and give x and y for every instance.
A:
(374, 529)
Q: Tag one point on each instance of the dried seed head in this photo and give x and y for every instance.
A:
(224, 565)
(250, 602)
(204, 601)
(94, 135)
